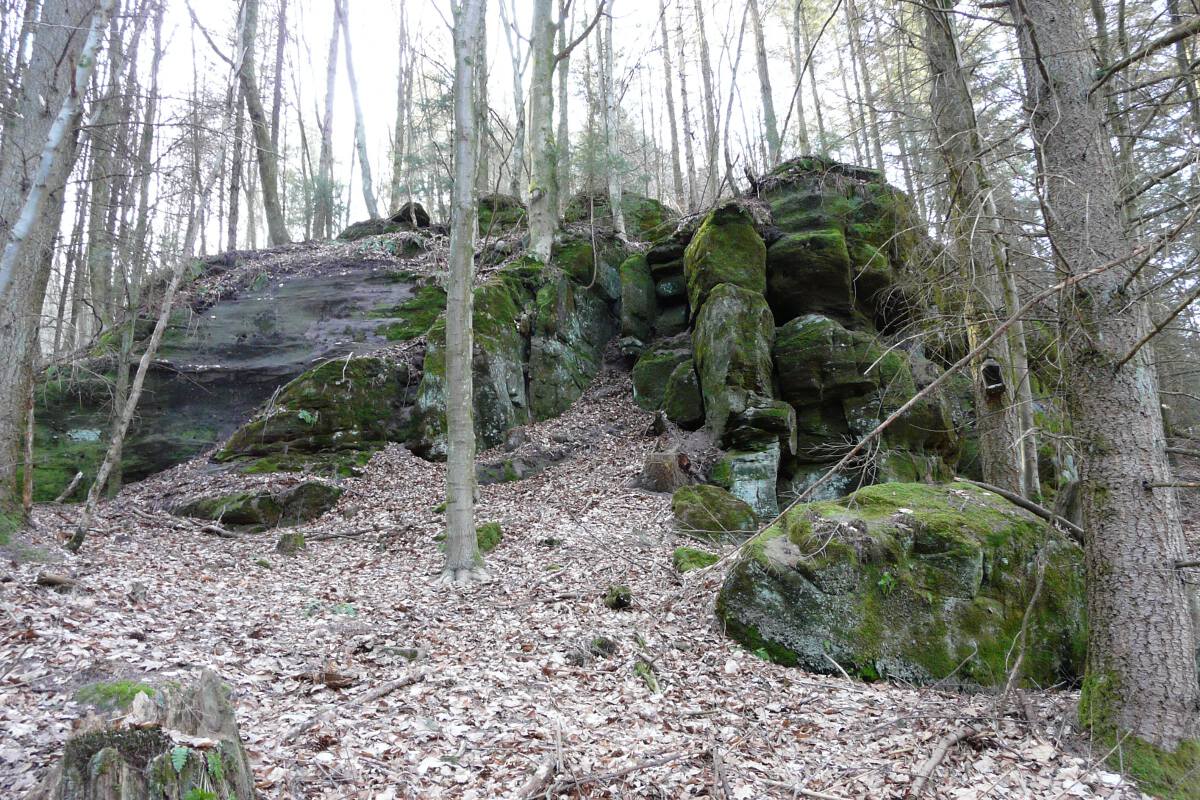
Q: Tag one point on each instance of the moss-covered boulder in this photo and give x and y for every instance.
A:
(500, 214)
(731, 343)
(413, 317)
(638, 305)
(646, 219)
(913, 582)
(504, 308)
(686, 559)
(809, 272)
(652, 372)
(185, 745)
(265, 509)
(682, 401)
(725, 250)
(848, 237)
(591, 261)
(711, 512)
(572, 327)
(340, 408)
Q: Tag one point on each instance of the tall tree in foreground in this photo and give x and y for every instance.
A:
(543, 210)
(1140, 692)
(268, 159)
(611, 129)
(980, 248)
(463, 561)
(38, 152)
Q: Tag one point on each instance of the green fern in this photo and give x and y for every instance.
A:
(215, 768)
(179, 758)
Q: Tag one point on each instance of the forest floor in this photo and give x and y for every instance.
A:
(492, 681)
(470, 692)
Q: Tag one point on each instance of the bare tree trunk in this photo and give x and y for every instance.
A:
(562, 183)
(483, 167)
(396, 196)
(324, 204)
(360, 131)
(268, 160)
(611, 131)
(463, 560)
(764, 86)
(871, 118)
(1140, 690)
(981, 251)
(37, 156)
(799, 55)
(676, 170)
(685, 110)
(710, 109)
(543, 210)
(812, 78)
(512, 36)
(277, 95)
(235, 168)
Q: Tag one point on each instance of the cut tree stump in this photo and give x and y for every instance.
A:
(182, 743)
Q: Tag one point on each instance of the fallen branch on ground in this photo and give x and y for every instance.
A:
(70, 487)
(925, 771)
(363, 699)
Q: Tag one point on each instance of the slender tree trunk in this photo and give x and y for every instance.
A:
(669, 92)
(863, 75)
(981, 250)
(1141, 663)
(268, 160)
(764, 86)
(799, 55)
(483, 168)
(710, 109)
(822, 144)
(611, 131)
(562, 183)
(277, 94)
(512, 36)
(396, 195)
(685, 110)
(463, 561)
(324, 205)
(235, 169)
(543, 210)
(360, 131)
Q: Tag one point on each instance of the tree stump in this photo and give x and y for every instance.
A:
(183, 743)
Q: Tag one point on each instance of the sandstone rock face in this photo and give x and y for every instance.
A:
(725, 250)
(216, 366)
(910, 581)
(259, 510)
(646, 219)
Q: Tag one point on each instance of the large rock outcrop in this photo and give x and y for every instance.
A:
(221, 359)
(787, 300)
(913, 582)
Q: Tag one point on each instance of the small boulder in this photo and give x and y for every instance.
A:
(653, 370)
(711, 512)
(411, 213)
(290, 544)
(618, 597)
(682, 401)
(686, 559)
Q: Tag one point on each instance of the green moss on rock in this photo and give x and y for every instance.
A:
(711, 512)
(726, 249)
(810, 273)
(258, 510)
(909, 581)
(682, 401)
(488, 536)
(686, 559)
(653, 370)
(414, 316)
(638, 304)
(731, 343)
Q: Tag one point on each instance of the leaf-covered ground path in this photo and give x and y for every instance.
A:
(502, 684)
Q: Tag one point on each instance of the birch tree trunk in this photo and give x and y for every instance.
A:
(1140, 688)
(463, 560)
(764, 86)
(676, 170)
(38, 153)
(268, 159)
(981, 251)
(360, 129)
(323, 212)
(611, 132)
